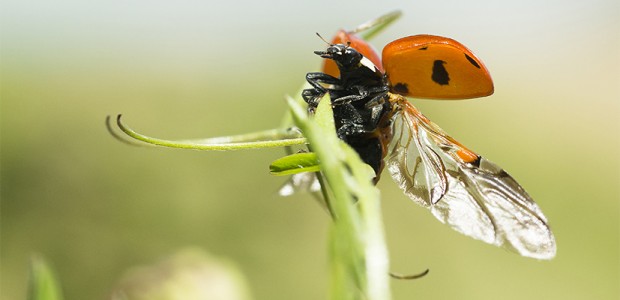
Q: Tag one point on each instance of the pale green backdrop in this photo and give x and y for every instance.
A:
(95, 207)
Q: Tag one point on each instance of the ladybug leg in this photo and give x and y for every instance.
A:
(350, 121)
(378, 99)
(312, 96)
(347, 99)
(317, 78)
(356, 93)
(362, 93)
(379, 89)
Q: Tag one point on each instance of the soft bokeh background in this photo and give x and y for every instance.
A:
(95, 207)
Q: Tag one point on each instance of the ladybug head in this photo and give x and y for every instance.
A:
(344, 56)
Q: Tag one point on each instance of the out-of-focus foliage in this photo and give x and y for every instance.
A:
(43, 284)
(188, 274)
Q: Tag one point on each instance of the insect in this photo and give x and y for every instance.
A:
(462, 189)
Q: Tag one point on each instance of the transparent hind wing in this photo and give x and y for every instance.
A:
(469, 193)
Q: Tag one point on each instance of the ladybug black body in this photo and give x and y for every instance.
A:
(360, 103)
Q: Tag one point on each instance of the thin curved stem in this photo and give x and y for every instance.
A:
(120, 138)
(371, 28)
(217, 144)
(409, 276)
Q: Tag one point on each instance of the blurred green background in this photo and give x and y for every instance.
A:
(95, 207)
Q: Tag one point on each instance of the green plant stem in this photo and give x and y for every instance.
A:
(371, 28)
(218, 144)
(359, 261)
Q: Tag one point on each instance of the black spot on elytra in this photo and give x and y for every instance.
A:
(423, 48)
(401, 88)
(472, 61)
(440, 74)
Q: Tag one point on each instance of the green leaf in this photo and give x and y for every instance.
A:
(294, 163)
(42, 285)
(358, 254)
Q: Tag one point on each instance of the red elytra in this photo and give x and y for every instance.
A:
(424, 66)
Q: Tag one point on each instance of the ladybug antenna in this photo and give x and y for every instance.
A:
(326, 42)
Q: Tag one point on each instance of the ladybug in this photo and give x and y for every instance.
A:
(414, 66)
(372, 114)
